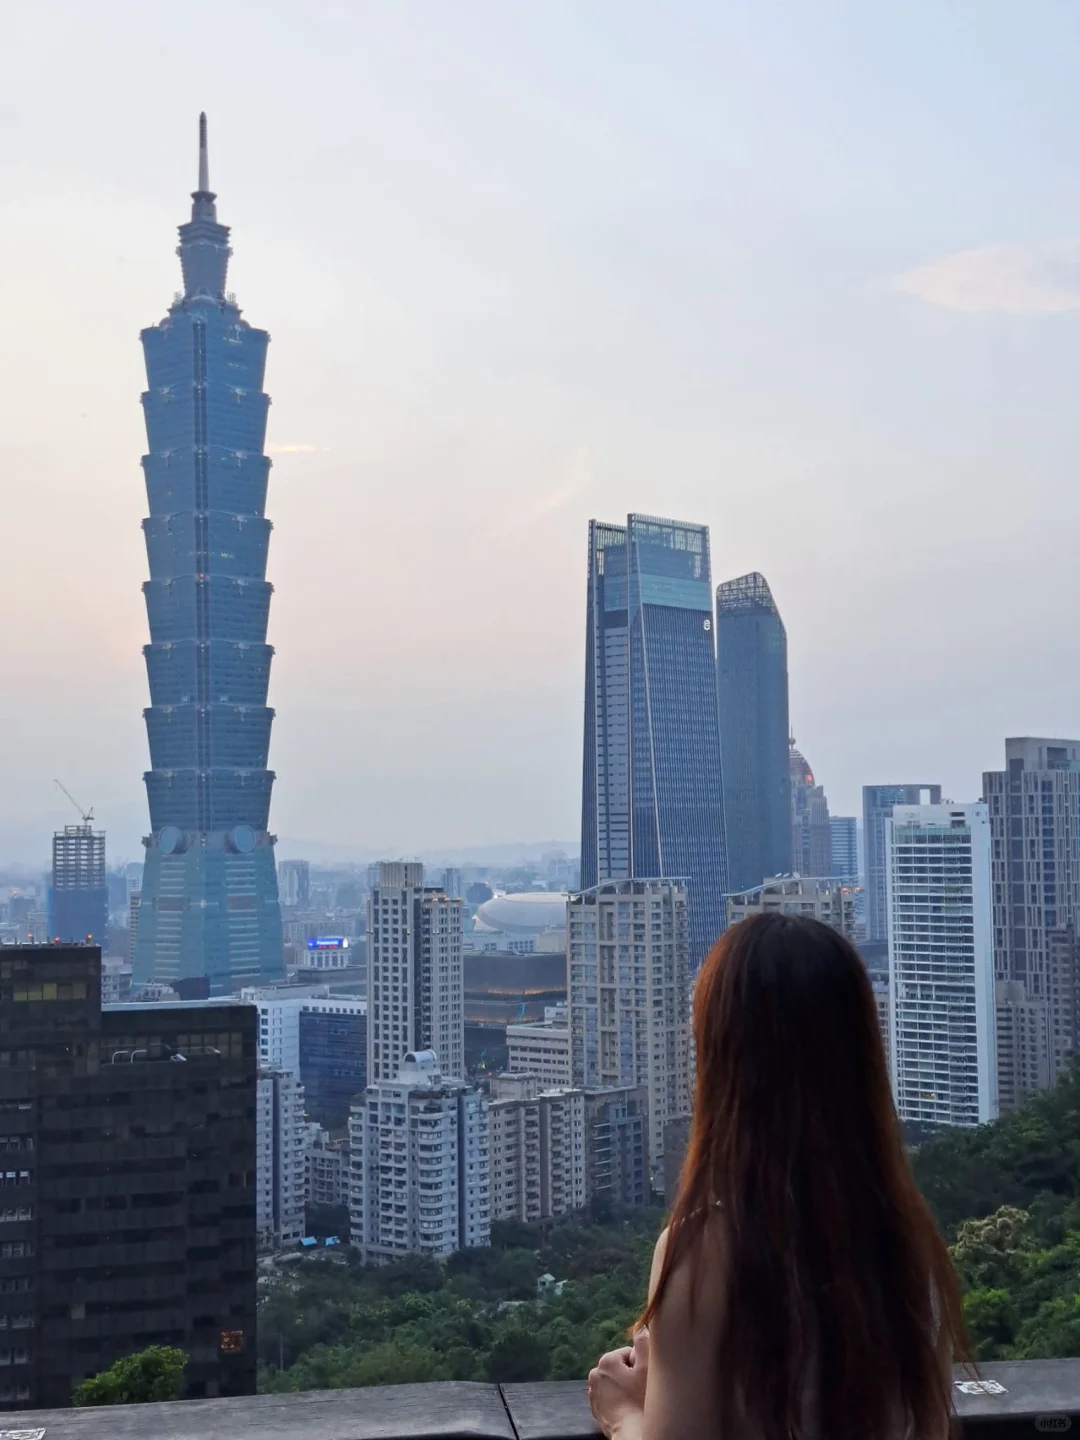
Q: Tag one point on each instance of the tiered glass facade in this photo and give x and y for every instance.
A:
(209, 898)
(652, 803)
(752, 692)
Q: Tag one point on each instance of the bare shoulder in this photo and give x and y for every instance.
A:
(693, 1297)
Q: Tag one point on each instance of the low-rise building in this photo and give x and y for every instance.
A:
(542, 1048)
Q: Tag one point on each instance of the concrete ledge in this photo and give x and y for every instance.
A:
(1017, 1400)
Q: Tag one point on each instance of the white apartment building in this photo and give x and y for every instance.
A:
(629, 996)
(419, 1164)
(281, 1159)
(415, 975)
(280, 1008)
(542, 1048)
(943, 1038)
(825, 900)
(537, 1150)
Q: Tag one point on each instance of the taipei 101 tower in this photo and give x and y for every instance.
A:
(209, 911)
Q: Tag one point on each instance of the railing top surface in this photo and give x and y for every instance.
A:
(1009, 1394)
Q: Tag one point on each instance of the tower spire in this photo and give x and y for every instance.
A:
(204, 160)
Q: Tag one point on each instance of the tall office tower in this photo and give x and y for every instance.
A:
(77, 903)
(941, 964)
(537, 1150)
(752, 691)
(878, 802)
(811, 834)
(453, 883)
(826, 900)
(415, 976)
(294, 882)
(844, 847)
(629, 996)
(1035, 823)
(209, 891)
(652, 794)
(419, 1164)
(129, 1212)
(281, 1167)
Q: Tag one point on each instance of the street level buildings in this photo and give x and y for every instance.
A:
(129, 1210)
(419, 1164)
(752, 693)
(653, 798)
(209, 899)
(878, 802)
(415, 979)
(629, 989)
(941, 964)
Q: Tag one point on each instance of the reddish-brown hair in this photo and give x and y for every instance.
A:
(829, 1249)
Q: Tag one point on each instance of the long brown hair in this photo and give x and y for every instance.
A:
(833, 1265)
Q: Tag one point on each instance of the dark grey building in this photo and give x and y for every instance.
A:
(752, 691)
(617, 1145)
(129, 1210)
(333, 1062)
(878, 802)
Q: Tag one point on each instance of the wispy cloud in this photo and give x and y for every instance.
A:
(576, 476)
(1039, 279)
(297, 449)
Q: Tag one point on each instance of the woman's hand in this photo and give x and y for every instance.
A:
(617, 1389)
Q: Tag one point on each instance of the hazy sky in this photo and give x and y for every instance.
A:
(807, 273)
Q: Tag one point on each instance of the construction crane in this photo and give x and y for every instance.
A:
(87, 815)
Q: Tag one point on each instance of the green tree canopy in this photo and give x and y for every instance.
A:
(152, 1374)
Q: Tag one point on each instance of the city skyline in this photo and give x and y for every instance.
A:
(667, 303)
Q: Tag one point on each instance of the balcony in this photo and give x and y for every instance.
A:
(1017, 1399)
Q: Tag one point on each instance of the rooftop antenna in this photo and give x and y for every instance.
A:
(204, 159)
(87, 815)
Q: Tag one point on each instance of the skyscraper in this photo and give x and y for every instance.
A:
(878, 802)
(415, 973)
(78, 898)
(941, 964)
(811, 834)
(752, 692)
(844, 847)
(652, 794)
(1035, 825)
(209, 894)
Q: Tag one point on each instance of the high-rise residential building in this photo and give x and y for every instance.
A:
(617, 1146)
(878, 802)
(541, 1048)
(825, 900)
(629, 992)
(652, 798)
(752, 692)
(537, 1150)
(327, 1169)
(844, 847)
(1035, 824)
(294, 883)
(415, 977)
(811, 834)
(419, 1164)
(77, 903)
(453, 883)
(209, 889)
(941, 964)
(282, 1160)
(129, 1216)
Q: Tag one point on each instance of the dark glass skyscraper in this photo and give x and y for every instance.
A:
(652, 798)
(209, 897)
(752, 693)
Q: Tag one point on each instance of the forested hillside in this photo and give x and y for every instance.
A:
(1007, 1198)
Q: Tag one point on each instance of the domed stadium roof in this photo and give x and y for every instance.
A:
(518, 914)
